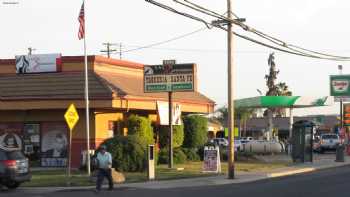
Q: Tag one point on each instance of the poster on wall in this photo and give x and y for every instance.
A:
(38, 63)
(10, 136)
(10, 141)
(54, 145)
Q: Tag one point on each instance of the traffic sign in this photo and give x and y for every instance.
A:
(71, 116)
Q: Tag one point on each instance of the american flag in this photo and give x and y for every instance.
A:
(81, 19)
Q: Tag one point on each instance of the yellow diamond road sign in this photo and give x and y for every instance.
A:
(71, 116)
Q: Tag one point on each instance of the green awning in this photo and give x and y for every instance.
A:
(283, 102)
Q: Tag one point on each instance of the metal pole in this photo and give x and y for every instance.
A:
(70, 155)
(170, 163)
(87, 103)
(231, 155)
(340, 68)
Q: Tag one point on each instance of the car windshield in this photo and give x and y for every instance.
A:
(329, 137)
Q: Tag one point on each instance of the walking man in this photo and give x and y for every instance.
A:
(104, 162)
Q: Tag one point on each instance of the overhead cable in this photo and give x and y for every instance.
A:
(288, 50)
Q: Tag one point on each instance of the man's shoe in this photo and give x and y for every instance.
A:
(96, 191)
(110, 189)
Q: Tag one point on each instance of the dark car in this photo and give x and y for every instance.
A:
(14, 168)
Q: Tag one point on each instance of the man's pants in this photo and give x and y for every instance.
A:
(100, 176)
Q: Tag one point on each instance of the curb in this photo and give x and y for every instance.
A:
(132, 186)
(291, 172)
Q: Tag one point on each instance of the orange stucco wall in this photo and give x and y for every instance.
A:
(102, 120)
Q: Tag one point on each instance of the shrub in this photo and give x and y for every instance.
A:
(128, 153)
(195, 128)
(141, 127)
(179, 157)
(191, 154)
(178, 136)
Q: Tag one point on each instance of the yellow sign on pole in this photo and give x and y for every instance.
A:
(71, 116)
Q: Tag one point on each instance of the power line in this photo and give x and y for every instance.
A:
(166, 41)
(259, 33)
(245, 27)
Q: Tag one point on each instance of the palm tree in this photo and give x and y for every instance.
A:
(241, 114)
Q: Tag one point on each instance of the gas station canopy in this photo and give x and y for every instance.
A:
(283, 102)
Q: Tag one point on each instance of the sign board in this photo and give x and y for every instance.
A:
(211, 159)
(346, 114)
(340, 87)
(168, 78)
(71, 116)
(342, 98)
(40, 63)
(163, 113)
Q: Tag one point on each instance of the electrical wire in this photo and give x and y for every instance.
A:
(166, 41)
(276, 41)
(291, 51)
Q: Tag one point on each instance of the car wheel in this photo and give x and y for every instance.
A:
(12, 185)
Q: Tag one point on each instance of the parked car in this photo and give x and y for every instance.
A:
(326, 142)
(223, 142)
(14, 168)
(219, 141)
(245, 140)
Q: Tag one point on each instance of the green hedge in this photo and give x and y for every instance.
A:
(179, 156)
(191, 154)
(128, 153)
(178, 136)
(195, 128)
(141, 127)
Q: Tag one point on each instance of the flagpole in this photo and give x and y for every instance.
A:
(87, 100)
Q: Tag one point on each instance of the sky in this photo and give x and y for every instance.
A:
(51, 26)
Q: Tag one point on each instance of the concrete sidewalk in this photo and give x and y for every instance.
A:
(320, 162)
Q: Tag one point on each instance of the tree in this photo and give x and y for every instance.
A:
(280, 89)
(241, 114)
(196, 129)
(178, 136)
(141, 127)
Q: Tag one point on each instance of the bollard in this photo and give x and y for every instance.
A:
(340, 153)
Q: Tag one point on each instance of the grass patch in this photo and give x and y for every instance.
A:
(58, 178)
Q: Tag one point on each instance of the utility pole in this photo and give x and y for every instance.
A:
(108, 49)
(231, 153)
(120, 51)
(30, 50)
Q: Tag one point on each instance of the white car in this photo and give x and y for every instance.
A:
(325, 142)
(224, 143)
(245, 140)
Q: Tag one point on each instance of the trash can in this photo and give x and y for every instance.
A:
(340, 153)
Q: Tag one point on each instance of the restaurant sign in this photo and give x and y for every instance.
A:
(168, 78)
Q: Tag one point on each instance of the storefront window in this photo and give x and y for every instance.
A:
(31, 139)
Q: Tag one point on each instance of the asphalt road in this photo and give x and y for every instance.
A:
(332, 182)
